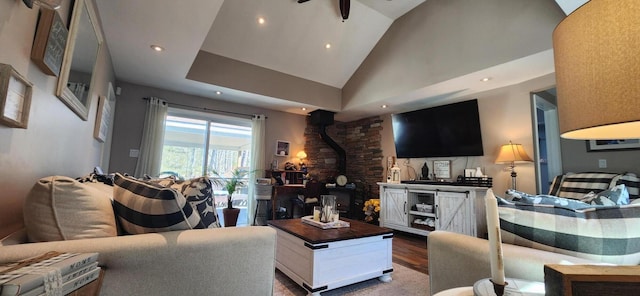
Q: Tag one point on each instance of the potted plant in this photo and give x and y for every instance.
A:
(231, 184)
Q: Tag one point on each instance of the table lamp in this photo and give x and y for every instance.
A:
(302, 155)
(512, 154)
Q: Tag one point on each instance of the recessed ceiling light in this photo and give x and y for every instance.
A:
(327, 46)
(218, 92)
(384, 106)
(157, 47)
(261, 20)
(485, 79)
(304, 109)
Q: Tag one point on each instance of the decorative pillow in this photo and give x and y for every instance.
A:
(199, 194)
(144, 207)
(578, 185)
(61, 208)
(605, 234)
(555, 185)
(632, 182)
(555, 201)
(618, 195)
(517, 195)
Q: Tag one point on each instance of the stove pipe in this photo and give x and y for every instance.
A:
(322, 119)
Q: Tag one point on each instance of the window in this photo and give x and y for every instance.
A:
(197, 143)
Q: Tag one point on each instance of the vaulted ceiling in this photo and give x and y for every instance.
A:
(291, 45)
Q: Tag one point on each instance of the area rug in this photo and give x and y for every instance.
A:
(405, 281)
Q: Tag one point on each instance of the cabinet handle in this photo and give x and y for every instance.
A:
(405, 207)
(437, 211)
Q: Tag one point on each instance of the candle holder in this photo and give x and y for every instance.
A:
(498, 288)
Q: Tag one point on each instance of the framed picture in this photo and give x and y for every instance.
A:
(442, 169)
(608, 145)
(104, 115)
(15, 97)
(50, 42)
(282, 148)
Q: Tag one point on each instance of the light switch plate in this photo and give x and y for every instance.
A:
(602, 163)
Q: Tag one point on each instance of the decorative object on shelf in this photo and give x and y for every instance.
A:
(341, 180)
(469, 173)
(80, 59)
(390, 162)
(442, 169)
(104, 115)
(371, 210)
(15, 97)
(395, 174)
(282, 148)
(478, 172)
(596, 62)
(289, 166)
(512, 154)
(50, 42)
(495, 243)
(425, 171)
(301, 156)
(230, 184)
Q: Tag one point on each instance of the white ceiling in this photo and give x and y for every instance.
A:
(292, 41)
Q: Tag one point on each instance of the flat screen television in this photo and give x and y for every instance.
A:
(443, 131)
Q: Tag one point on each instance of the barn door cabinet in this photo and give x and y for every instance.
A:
(420, 209)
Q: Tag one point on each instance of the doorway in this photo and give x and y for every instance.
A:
(548, 155)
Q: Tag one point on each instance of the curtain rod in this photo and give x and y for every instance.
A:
(211, 110)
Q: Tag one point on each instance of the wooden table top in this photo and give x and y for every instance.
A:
(316, 235)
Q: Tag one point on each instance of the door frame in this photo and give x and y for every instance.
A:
(545, 101)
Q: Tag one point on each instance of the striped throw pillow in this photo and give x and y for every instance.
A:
(199, 194)
(604, 234)
(578, 185)
(144, 207)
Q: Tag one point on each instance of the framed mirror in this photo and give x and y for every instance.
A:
(81, 55)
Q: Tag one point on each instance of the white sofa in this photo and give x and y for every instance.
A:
(64, 215)
(221, 261)
(457, 260)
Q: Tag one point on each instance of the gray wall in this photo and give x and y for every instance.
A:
(129, 123)
(57, 141)
(575, 158)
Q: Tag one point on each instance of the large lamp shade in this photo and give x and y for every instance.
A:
(597, 61)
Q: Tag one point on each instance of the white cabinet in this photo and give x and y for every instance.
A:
(394, 211)
(454, 208)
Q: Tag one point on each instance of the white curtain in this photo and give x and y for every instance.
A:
(257, 162)
(152, 138)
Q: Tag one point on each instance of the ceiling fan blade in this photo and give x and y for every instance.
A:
(344, 8)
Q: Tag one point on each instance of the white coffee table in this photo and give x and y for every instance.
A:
(324, 259)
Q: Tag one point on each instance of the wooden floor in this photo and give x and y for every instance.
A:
(410, 250)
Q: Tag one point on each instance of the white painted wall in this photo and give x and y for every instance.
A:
(57, 141)
(505, 114)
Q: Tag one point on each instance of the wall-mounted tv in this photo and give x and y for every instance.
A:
(443, 131)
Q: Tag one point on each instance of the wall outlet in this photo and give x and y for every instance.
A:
(602, 163)
(134, 152)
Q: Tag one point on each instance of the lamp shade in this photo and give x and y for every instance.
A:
(301, 155)
(511, 153)
(597, 61)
